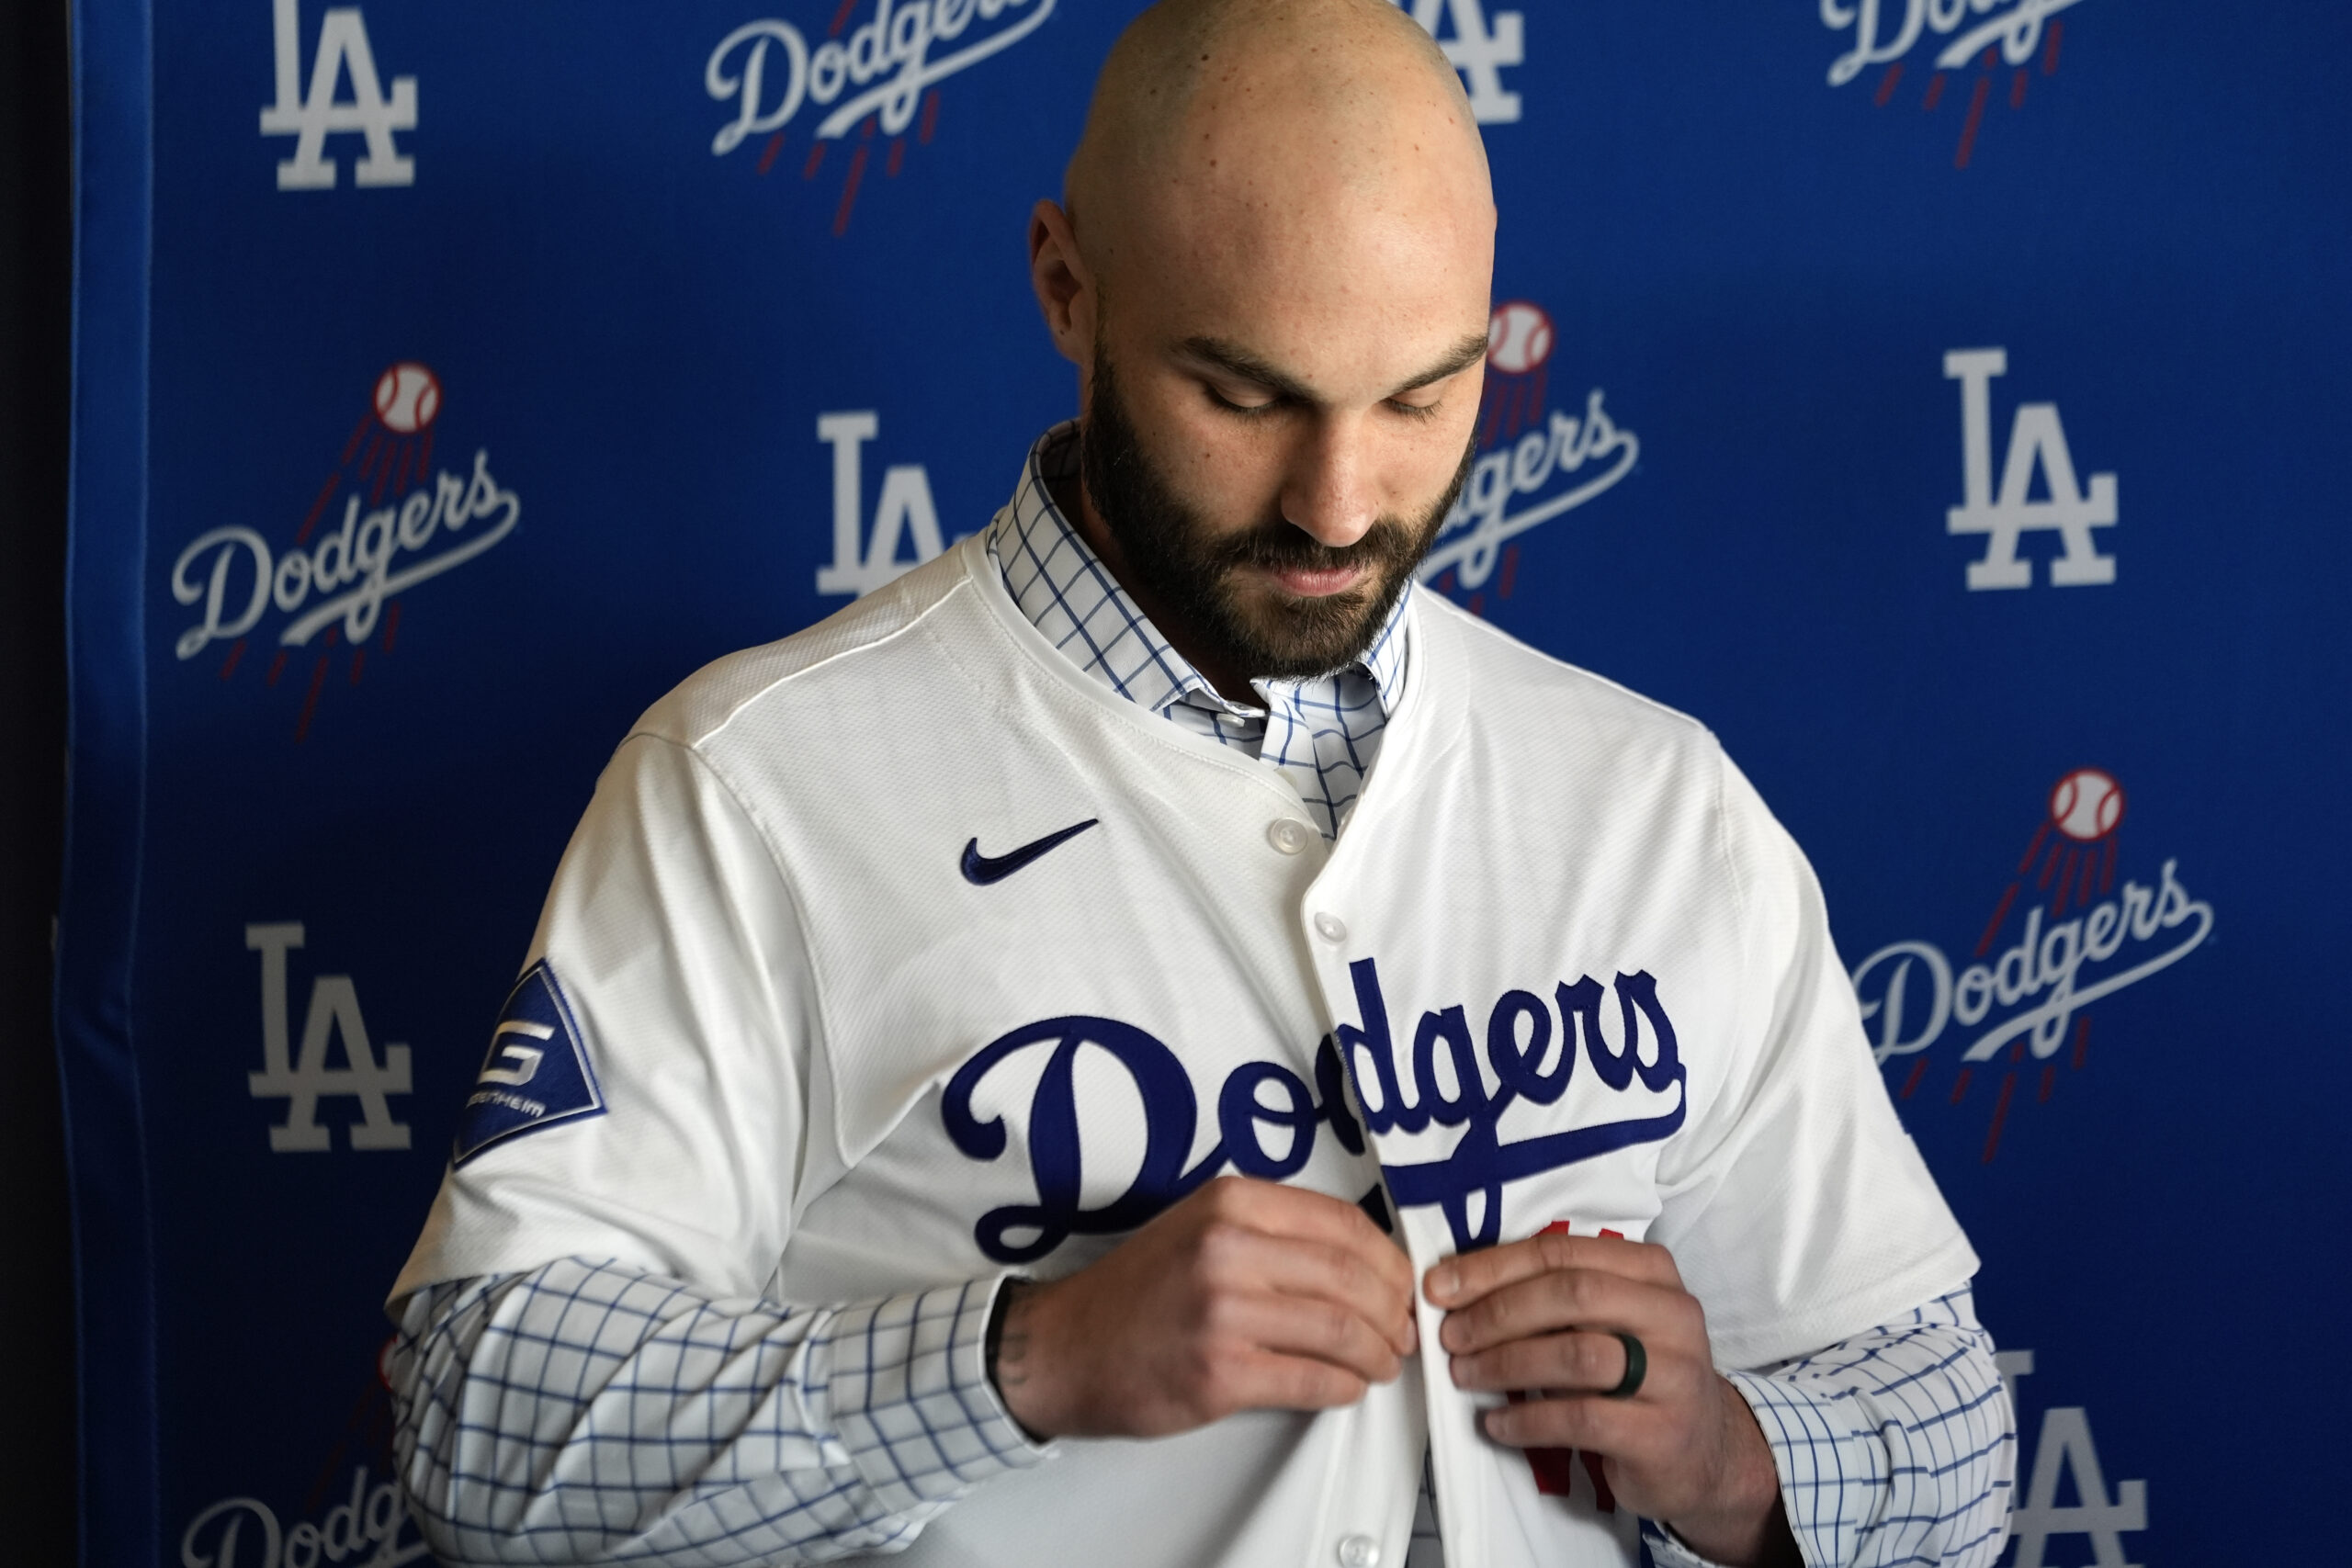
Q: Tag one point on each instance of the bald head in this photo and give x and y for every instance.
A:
(1245, 111)
(1270, 268)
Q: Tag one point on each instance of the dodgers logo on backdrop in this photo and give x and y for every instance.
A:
(367, 1529)
(881, 75)
(2063, 934)
(1268, 1117)
(2004, 49)
(337, 587)
(363, 1523)
(878, 76)
(2037, 445)
(1534, 463)
(344, 52)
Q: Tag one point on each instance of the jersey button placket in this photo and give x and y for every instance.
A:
(1331, 927)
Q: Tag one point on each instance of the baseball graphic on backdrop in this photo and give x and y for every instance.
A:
(2087, 804)
(1519, 337)
(408, 396)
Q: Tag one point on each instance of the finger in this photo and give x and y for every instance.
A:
(1307, 1215)
(1577, 1421)
(1468, 1276)
(1267, 1380)
(1572, 1298)
(1302, 1327)
(1238, 1261)
(1580, 1363)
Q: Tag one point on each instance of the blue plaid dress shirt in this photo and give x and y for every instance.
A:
(591, 1412)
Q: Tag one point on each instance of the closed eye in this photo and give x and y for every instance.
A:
(1269, 403)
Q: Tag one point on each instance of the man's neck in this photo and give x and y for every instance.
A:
(1069, 494)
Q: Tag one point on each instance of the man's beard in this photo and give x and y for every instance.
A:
(1188, 571)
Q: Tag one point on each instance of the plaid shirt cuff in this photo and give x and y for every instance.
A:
(1893, 1447)
(909, 1394)
(1829, 1468)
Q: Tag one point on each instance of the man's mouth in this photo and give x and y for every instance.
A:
(1315, 583)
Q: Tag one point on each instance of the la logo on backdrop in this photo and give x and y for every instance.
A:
(2037, 446)
(330, 586)
(1955, 37)
(344, 52)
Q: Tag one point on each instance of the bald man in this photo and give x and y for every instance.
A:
(1259, 1068)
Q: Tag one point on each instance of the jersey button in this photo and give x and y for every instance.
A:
(1331, 927)
(1288, 834)
(1359, 1552)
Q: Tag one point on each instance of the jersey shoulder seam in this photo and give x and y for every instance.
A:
(701, 735)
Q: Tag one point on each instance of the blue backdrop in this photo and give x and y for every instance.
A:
(1940, 398)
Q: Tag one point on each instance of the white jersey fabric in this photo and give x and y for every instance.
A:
(1565, 970)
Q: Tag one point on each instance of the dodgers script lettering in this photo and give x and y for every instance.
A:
(1480, 1164)
(1887, 29)
(768, 71)
(1471, 540)
(2051, 973)
(236, 577)
(367, 1529)
(1268, 1117)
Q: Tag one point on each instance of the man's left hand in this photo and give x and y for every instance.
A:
(1541, 1317)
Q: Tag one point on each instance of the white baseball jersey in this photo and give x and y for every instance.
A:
(901, 953)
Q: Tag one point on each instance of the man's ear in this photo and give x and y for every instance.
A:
(1066, 289)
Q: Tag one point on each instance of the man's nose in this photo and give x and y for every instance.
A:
(1329, 490)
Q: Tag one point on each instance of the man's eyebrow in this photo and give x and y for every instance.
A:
(1466, 352)
(1238, 361)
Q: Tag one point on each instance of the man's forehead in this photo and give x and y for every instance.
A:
(1355, 314)
(1302, 147)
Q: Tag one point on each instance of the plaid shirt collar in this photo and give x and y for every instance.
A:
(1321, 733)
(1064, 588)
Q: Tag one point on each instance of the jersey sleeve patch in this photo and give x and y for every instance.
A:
(537, 1072)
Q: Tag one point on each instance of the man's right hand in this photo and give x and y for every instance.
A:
(1248, 1295)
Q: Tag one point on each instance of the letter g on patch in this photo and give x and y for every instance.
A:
(535, 1073)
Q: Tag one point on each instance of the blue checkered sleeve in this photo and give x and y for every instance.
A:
(1896, 1446)
(592, 1413)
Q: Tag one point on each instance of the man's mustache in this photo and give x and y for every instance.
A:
(1280, 544)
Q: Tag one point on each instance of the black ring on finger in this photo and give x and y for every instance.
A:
(1637, 1367)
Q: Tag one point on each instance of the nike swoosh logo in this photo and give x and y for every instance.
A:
(979, 870)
